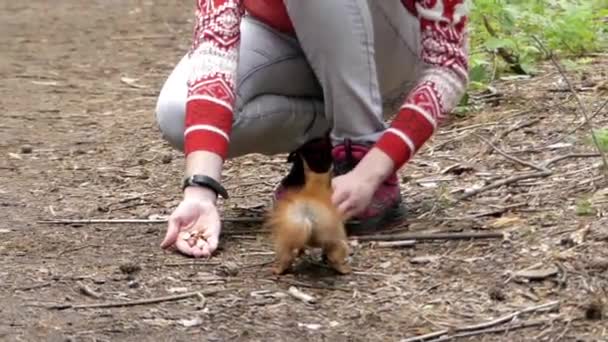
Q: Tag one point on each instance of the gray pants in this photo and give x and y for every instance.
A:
(349, 69)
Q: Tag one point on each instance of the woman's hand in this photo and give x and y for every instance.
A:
(354, 190)
(196, 215)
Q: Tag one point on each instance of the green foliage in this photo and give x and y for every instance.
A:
(584, 208)
(568, 28)
(601, 136)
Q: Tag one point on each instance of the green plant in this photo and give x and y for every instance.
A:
(502, 30)
(584, 208)
(601, 136)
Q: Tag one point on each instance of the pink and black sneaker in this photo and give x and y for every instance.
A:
(386, 206)
(318, 156)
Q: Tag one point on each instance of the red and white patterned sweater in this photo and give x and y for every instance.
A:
(211, 85)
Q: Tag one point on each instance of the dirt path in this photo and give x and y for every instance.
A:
(78, 82)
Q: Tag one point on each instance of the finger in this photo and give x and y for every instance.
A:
(338, 197)
(211, 245)
(345, 205)
(184, 247)
(172, 232)
(350, 212)
(198, 252)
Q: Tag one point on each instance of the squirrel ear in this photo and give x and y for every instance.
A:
(305, 164)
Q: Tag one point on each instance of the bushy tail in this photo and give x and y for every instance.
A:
(293, 224)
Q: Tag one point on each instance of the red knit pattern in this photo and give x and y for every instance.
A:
(412, 124)
(208, 114)
(443, 80)
(214, 55)
(211, 83)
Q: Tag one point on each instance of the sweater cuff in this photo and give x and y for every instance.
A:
(207, 127)
(408, 132)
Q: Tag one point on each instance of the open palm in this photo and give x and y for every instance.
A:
(192, 218)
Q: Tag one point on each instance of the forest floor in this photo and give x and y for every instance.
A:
(78, 140)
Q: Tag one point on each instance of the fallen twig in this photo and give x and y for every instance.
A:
(505, 318)
(510, 157)
(142, 221)
(35, 286)
(306, 298)
(478, 328)
(581, 105)
(509, 327)
(572, 131)
(509, 131)
(395, 244)
(506, 181)
(208, 292)
(87, 291)
(496, 212)
(568, 156)
(433, 236)
(70, 250)
(517, 178)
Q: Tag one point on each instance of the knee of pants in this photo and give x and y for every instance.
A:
(170, 120)
(338, 32)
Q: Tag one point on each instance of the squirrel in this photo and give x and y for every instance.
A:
(306, 217)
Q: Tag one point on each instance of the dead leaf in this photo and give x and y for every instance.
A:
(132, 82)
(310, 326)
(579, 236)
(599, 196)
(385, 264)
(45, 83)
(188, 323)
(505, 221)
(537, 274)
(425, 259)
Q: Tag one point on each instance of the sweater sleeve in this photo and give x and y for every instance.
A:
(211, 84)
(442, 83)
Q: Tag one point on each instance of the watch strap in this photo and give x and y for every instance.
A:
(207, 182)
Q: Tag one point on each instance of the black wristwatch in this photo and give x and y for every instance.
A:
(207, 182)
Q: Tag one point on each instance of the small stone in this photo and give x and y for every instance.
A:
(497, 294)
(133, 284)
(598, 264)
(129, 268)
(26, 149)
(99, 281)
(228, 269)
(594, 310)
(166, 158)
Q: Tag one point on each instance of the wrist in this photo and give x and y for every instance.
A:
(375, 167)
(199, 193)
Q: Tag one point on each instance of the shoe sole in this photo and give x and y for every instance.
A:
(397, 212)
